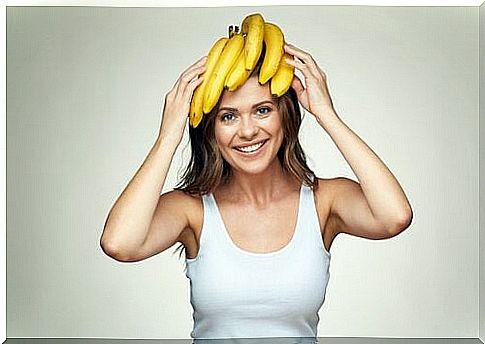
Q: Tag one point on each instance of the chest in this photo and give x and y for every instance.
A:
(258, 230)
(263, 230)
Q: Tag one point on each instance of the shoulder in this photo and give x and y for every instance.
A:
(324, 196)
(180, 199)
(329, 187)
(325, 190)
(190, 205)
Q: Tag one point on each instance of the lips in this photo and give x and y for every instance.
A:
(255, 152)
(250, 144)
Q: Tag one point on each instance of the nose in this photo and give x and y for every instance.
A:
(247, 127)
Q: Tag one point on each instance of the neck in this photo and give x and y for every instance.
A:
(262, 188)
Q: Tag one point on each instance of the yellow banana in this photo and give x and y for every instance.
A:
(281, 81)
(196, 107)
(238, 73)
(253, 27)
(274, 41)
(215, 84)
(198, 96)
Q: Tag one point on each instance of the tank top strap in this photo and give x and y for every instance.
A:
(310, 221)
(213, 228)
(209, 226)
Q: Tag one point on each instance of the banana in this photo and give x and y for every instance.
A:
(231, 60)
(215, 84)
(274, 41)
(196, 106)
(253, 29)
(238, 73)
(281, 81)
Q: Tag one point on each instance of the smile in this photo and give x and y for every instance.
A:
(251, 150)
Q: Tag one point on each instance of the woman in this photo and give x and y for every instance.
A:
(256, 223)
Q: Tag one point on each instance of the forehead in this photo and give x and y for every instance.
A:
(249, 93)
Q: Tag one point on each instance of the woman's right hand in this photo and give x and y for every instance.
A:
(177, 101)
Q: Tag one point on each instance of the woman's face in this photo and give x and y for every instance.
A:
(246, 118)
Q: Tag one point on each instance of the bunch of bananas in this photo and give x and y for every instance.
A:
(232, 59)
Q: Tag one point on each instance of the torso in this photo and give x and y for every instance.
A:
(259, 230)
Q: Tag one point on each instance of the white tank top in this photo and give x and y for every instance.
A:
(240, 294)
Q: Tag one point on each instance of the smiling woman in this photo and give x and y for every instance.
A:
(255, 222)
(244, 117)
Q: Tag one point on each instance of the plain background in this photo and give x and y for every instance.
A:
(85, 89)
(482, 177)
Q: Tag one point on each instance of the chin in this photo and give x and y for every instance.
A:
(253, 168)
(253, 171)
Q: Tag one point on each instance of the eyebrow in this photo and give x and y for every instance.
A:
(254, 106)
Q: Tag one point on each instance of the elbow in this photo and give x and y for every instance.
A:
(113, 251)
(108, 248)
(111, 247)
(404, 222)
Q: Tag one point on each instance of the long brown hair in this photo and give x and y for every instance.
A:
(207, 168)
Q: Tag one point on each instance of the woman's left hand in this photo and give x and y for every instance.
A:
(315, 98)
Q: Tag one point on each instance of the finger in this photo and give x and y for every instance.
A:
(189, 90)
(197, 63)
(299, 65)
(301, 54)
(323, 73)
(305, 57)
(188, 76)
(200, 62)
(195, 68)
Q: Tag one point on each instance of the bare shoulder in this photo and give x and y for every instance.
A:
(329, 187)
(191, 206)
(336, 195)
(350, 212)
(323, 196)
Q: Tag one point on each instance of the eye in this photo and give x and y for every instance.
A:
(265, 108)
(226, 115)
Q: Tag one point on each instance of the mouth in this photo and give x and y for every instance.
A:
(251, 150)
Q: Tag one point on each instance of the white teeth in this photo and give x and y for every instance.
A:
(250, 148)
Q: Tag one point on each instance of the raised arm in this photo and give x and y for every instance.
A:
(376, 206)
(131, 218)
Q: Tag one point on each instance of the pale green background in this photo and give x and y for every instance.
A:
(85, 88)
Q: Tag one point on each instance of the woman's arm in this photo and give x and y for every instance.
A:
(377, 202)
(375, 208)
(140, 212)
(129, 219)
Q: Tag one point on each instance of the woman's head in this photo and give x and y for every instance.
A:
(238, 119)
(246, 119)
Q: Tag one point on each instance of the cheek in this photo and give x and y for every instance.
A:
(223, 136)
(277, 127)
(279, 133)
